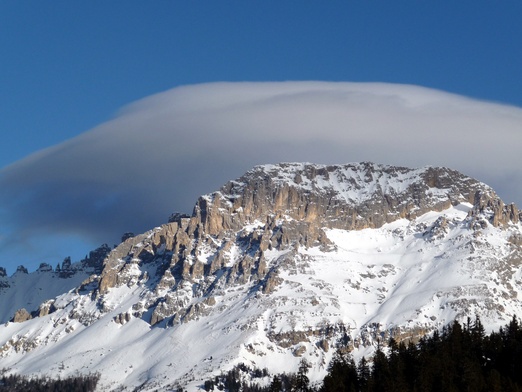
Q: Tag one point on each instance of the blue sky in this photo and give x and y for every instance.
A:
(67, 67)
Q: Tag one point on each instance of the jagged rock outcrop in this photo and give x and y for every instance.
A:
(96, 257)
(4, 284)
(297, 261)
(351, 197)
(489, 204)
(21, 270)
(21, 315)
(44, 267)
(278, 207)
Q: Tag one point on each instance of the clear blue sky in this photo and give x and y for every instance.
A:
(67, 66)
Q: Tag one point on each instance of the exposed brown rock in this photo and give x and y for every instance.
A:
(21, 315)
(489, 204)
(46, 308)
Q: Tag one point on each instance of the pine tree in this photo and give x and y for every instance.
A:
(381, 375)
(364, 375)
(302, 382)
(276, 385)
(342, 375)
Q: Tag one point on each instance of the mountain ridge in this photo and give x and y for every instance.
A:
(288, 261)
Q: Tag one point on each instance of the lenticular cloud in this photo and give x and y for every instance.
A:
(158, 154)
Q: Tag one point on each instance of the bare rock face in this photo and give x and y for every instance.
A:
(350, 197)
(21, 316)
(112, 266)
(488, 203)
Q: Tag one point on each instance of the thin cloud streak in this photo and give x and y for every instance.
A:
(158, 154)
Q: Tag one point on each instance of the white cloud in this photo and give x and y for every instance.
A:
(158, 154)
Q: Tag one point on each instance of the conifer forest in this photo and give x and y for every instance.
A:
(460, 358)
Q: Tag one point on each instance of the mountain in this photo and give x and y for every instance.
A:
(290, 261)
(23, 295)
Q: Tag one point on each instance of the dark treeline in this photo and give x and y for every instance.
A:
(459, 358)
(17, 383)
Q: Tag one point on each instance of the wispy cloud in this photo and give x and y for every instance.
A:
(158, 154)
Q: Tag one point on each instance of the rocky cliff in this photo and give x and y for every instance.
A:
(287, 261)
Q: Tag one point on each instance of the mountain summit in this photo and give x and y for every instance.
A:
(289, 261)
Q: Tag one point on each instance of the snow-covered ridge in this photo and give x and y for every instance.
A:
(288, 261)
(358, 182)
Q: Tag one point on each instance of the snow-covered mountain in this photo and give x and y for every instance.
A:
(289, 261)
(23, 295)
